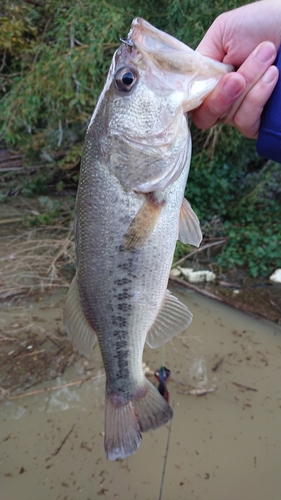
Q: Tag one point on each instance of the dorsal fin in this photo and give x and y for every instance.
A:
(189, 225)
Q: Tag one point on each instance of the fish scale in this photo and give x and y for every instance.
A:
(130, 211)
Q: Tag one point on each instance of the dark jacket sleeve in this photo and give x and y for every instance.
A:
(269, 139)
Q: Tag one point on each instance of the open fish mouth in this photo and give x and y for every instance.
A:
(149, 39)
(166, 50)
(184, 70)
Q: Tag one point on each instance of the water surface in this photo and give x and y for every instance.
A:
(223, 445)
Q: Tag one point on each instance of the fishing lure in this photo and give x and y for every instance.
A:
(163, 375)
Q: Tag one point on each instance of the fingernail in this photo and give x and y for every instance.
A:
(266, 52)
(270, 75)
(233, 86)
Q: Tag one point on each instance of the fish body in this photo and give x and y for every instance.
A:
(130, 211)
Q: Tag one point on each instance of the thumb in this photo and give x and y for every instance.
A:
(211, 45)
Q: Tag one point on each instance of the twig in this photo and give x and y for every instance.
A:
(9, 221)
(184, 283)
(194, 252)
(49, 389)
(242, 386)
(198, 392)
(30, 353)
(217, 365)
(3, 61)
(60, 253)
(274, 305)
(63, 441)
(240, 305)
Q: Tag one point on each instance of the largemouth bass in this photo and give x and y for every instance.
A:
(130, 211)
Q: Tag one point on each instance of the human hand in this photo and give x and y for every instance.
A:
(239, 97)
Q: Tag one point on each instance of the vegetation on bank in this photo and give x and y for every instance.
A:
(54, 56)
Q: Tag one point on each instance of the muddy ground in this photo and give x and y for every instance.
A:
(222, 443)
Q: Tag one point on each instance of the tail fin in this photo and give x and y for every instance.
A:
(124, 423)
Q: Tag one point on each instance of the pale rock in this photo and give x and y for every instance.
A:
(197, 276)
(175, 272)
(276, 276)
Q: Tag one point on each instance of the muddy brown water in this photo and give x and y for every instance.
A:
(222, 445)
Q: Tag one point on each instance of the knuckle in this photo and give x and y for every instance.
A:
(246, 127)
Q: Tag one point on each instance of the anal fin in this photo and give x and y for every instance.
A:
(189, 225)
(79, 331)
(172, 319)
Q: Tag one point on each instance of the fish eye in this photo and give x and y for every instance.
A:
(125, 79)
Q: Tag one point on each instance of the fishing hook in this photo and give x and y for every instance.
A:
(127, 41)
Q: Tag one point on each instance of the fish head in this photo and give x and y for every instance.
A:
(153, 72)
(153, 81)
(143, 103)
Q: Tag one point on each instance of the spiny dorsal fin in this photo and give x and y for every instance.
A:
(80, 333)
(172, 319)
(189, 225)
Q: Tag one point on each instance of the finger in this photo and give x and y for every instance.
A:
(247, 118)
(212, 43)
(224, 102)
(218, 103)
(252, 71)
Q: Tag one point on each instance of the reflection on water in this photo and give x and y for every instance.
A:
(223, 445)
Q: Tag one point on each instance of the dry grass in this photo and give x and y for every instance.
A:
(38, 259)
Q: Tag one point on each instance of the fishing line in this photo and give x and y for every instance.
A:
(163, 354)
(166, 456)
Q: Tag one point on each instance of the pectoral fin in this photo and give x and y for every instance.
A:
(76, 324)
(172, 319)
(189, 225)
(143, 224)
